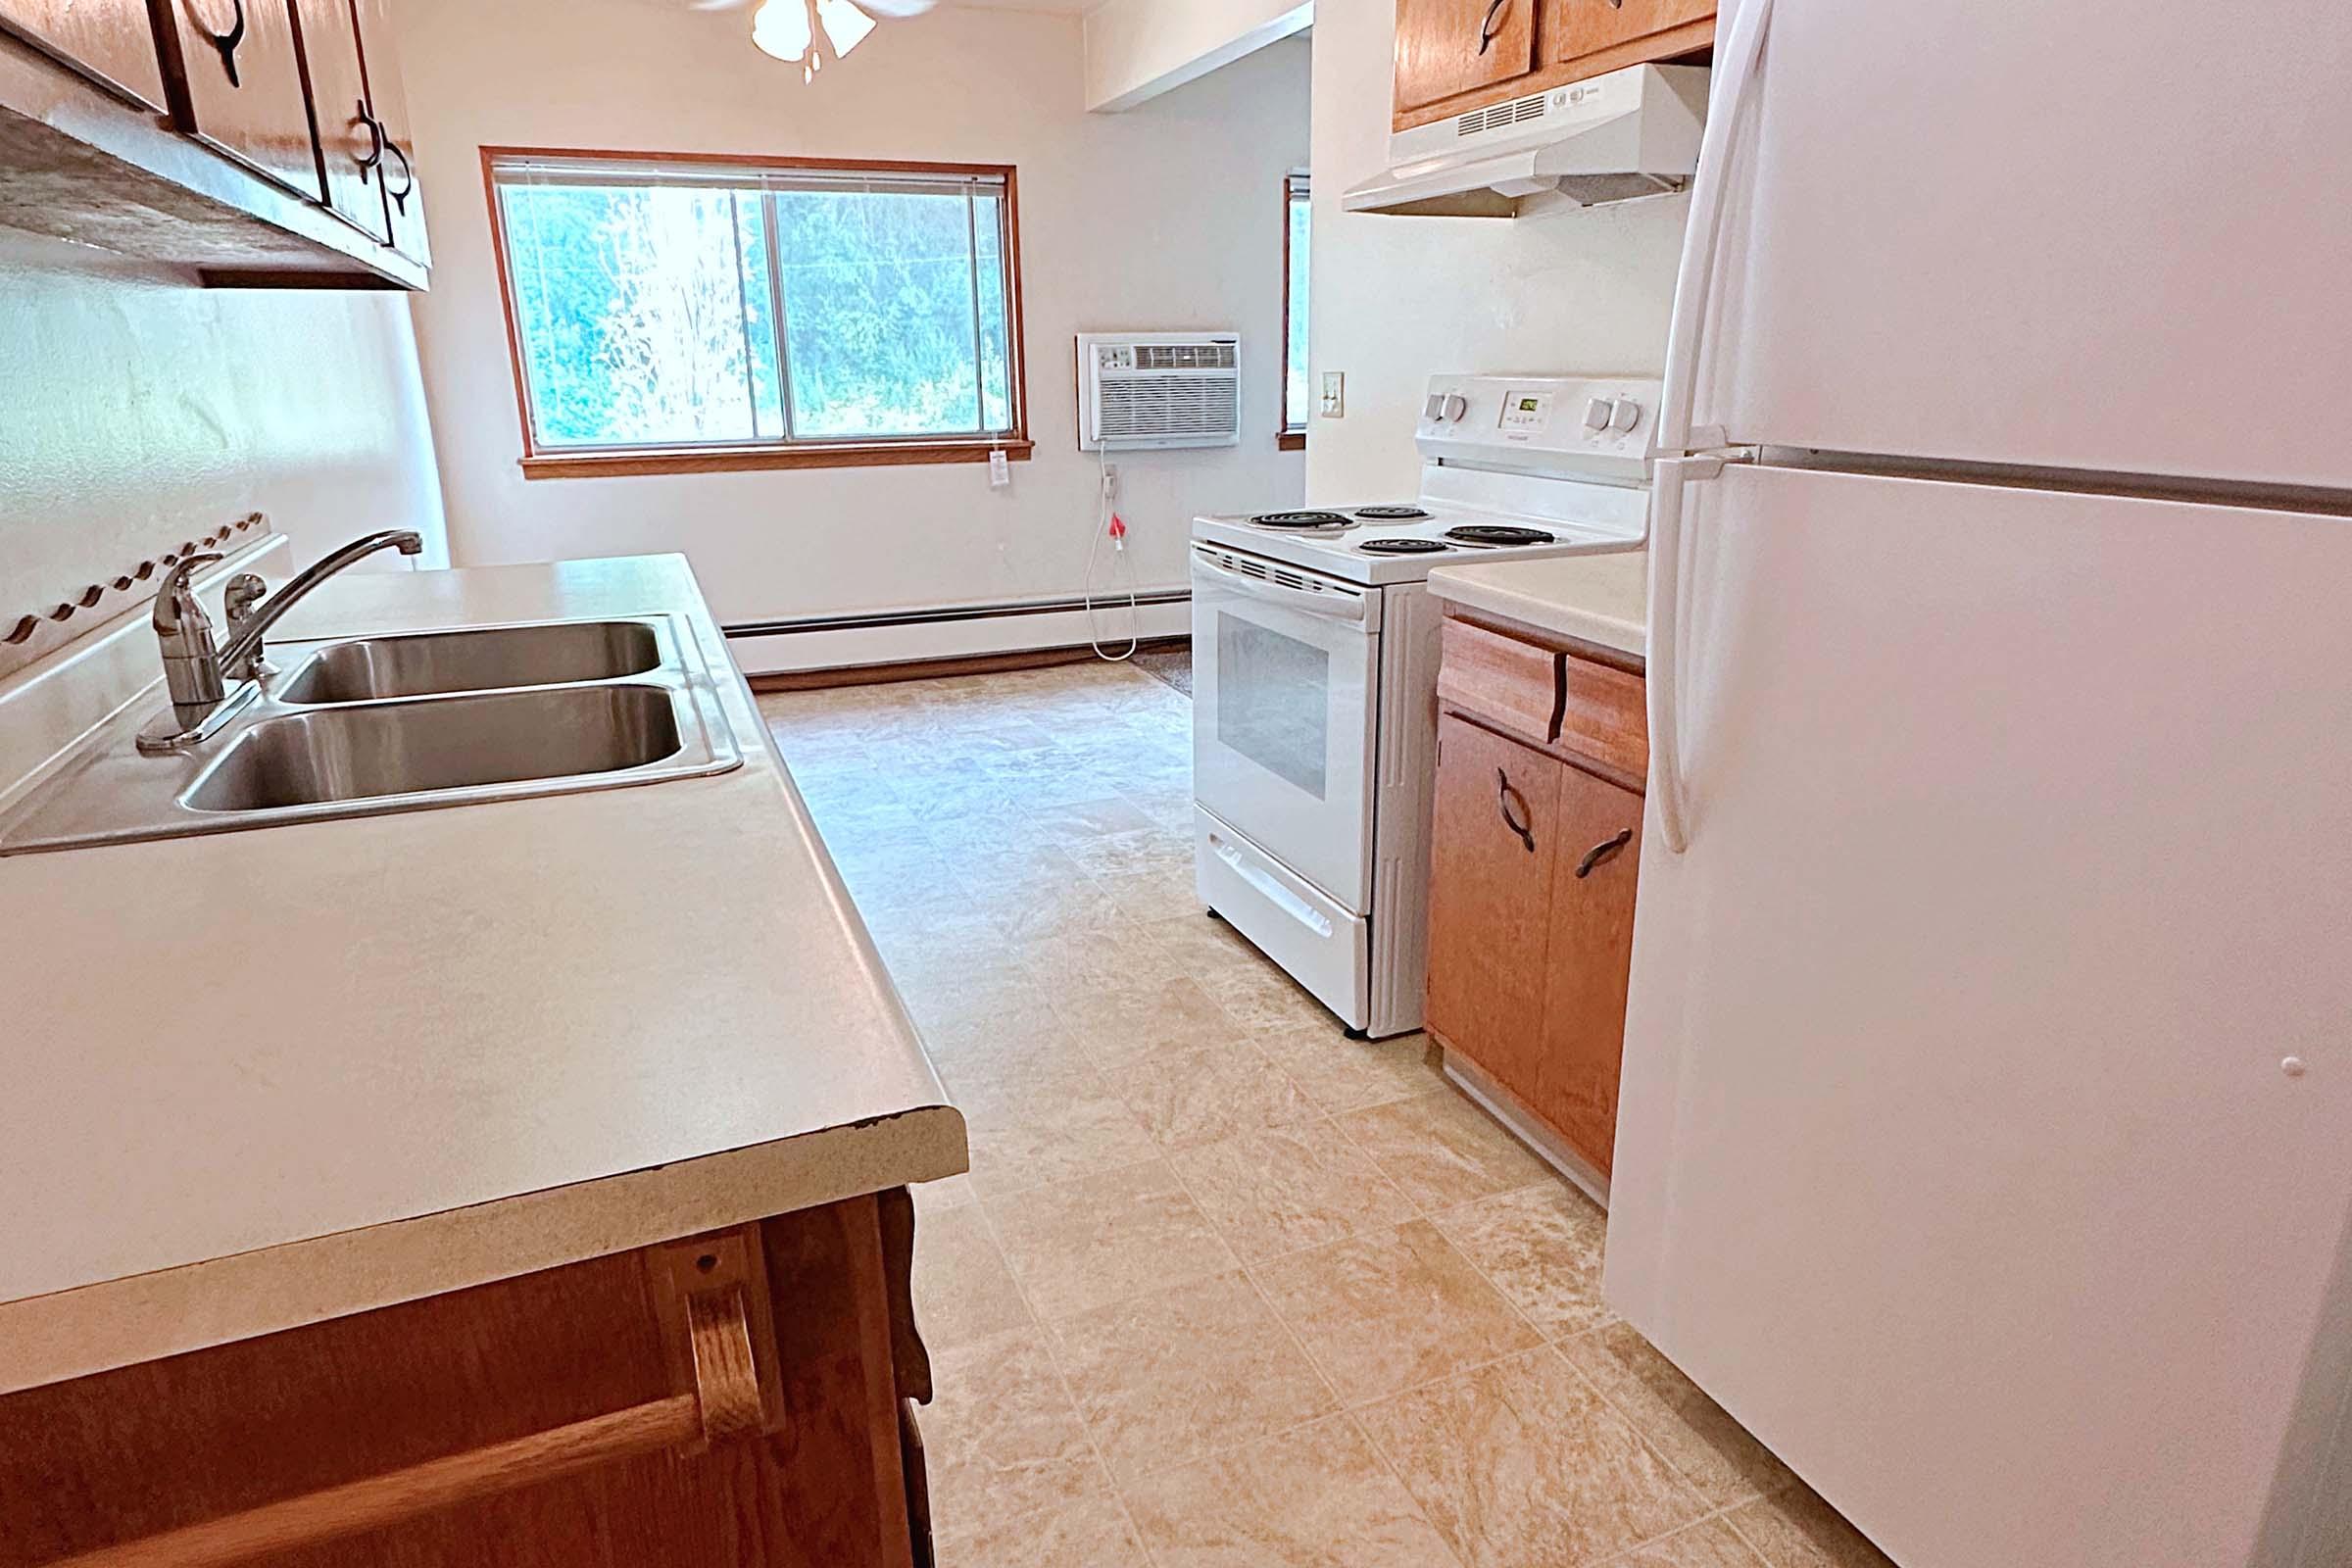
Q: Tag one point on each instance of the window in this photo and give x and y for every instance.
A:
(678, 314)
(1296, 220)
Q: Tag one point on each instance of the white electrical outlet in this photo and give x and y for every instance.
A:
(1335, 395)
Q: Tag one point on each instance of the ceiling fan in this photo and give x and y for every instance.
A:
(789, 28)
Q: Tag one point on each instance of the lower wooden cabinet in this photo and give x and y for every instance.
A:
(1534, 852)
(742, 1396)
(1492, 853)
(1589, 961)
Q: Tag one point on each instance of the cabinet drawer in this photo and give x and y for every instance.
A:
(1514, 684)
(1604, 716)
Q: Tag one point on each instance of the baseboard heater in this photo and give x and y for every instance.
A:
(883, 620)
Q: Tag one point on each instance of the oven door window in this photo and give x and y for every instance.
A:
(1273, 701)
(1283, 722)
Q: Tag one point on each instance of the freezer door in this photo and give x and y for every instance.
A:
(1986, 1134)
(2099, 235)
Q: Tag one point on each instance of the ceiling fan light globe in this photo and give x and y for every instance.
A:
(780, 28)
(846, 26)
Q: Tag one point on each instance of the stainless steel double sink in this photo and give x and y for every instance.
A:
(404, 722)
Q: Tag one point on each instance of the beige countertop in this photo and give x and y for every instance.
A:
(1601, 599)
(257, 1079)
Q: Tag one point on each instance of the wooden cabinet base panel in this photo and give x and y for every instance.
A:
(725, 1399)
(1524, 1124)
(78, 163)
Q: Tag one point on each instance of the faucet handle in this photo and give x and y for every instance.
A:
(245, 590)
(176, 607)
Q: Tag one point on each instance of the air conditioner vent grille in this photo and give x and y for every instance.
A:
(1158, 390)
(1184, 356)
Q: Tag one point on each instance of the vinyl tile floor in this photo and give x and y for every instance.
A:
(1225, 1288)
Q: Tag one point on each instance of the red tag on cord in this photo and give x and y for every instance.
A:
(1118, 527)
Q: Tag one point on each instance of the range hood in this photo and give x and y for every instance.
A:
(1633, 132)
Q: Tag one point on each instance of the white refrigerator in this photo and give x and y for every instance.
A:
(1985, 1139)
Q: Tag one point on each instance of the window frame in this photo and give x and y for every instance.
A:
(1291, 437)
(566, 463)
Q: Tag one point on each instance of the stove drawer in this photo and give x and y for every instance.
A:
(1318, 942)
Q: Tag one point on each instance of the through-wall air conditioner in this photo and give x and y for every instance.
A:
(1139, 391)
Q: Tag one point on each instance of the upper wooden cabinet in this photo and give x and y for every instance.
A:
(350, 139)
(257, 142)
(1445, 48)
(1453, 56)
(1603, 34)
(236, 83)
(387, 100)
(110, 41)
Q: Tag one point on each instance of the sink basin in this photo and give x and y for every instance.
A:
(409, 721)
(463, 743)
(424, 664)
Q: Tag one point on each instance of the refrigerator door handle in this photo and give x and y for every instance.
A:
(1663, 664)
(1737, 60)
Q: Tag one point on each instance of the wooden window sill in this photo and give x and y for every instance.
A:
(1291, 441)
(728, 459)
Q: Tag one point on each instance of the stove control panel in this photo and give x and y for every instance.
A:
(1530, 420)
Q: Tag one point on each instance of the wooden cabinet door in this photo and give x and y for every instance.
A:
(1492, 854)
(387, 99)
(1589, 961)
(1576, 28)
(1445, 47)
(236, 80)
(351, 148)
(112, 41)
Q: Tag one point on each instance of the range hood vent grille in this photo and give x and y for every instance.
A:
(1519, 112)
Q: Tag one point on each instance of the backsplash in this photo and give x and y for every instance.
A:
(146, 415)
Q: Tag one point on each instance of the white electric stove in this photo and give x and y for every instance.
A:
(1315, 659)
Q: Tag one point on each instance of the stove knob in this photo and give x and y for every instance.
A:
(1624, 414)
(1457, 406)
(1434, 409)
(1597, 415)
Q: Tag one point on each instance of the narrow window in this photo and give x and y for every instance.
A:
(1296, 222)
(682, 312)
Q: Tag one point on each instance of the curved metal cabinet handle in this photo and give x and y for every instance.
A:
(227, 43)
(408, 175)
(1486, 26)
(1606, 851)
(1502, 800)
(375, 136)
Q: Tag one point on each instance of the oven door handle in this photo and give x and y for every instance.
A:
(1332, 604)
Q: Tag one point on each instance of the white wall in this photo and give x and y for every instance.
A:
(1169, 217)
(1138, 49)
(1396, 299)
(139, 411)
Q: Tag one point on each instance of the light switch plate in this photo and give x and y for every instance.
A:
(1335, 395)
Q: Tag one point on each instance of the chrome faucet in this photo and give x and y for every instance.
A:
(199, 671)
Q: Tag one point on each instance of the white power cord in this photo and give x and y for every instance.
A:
(1107, 523)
